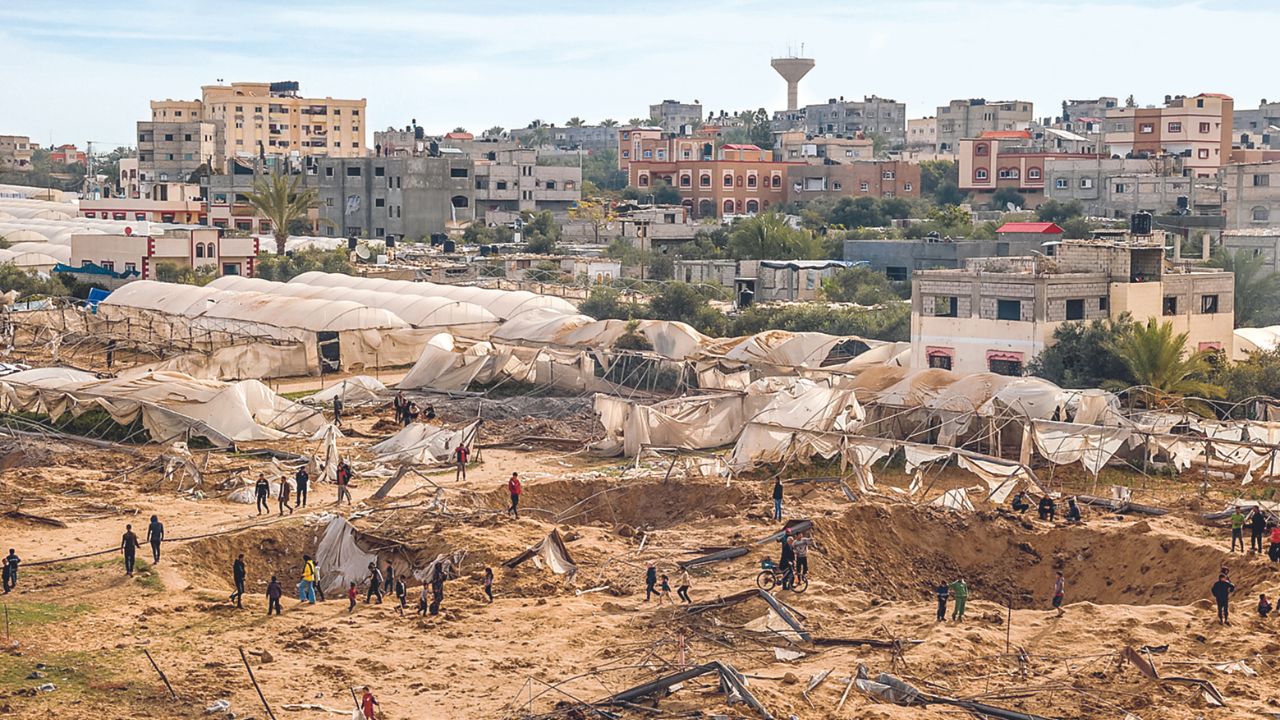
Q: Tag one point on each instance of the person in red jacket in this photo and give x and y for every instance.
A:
(366, 704)
(514, 487)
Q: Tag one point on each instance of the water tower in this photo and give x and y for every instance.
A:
(792, 69)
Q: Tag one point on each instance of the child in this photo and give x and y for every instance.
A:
(1264, 607)
(665, 591)
(351, 598)
(488, 583)
(422, 601)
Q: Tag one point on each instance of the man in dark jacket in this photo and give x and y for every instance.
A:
(1222, 593)
(129, 546)
(777, 499)
(261, 490)
(1257, 526)
(650, 581)
(274, 592)
(302, 478)
(942, 592)
(237, 575)
(1048, 508)
(155, 535)
(11, 571)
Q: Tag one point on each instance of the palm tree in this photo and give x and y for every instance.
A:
(1257, 292)
(281, 199)
(1157, 359)
(608, 122)
(638, 121)
(495, 132)
(575, 121)
(459, 129)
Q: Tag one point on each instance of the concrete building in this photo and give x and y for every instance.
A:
(962, 119)
(996, 315)
(143, 251)
(1077, 115)
(766, 280)
(882, 116)
(1260, 242)
(127, 184)
(1256, 121)
(801, 146)
(184, 207)
(872, 178)
(1197, 128)
(898, 259)
(404, 197)
(735, 180)
(674, 116)
(171, 152)
(1007, 159)
(15, 153)
(1251, 194)
(271, 118)
(1117, 188)
(660, 228)
(513, 180)
(922, 134)
(709, 272)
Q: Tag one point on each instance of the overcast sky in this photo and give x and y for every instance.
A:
(80, 70)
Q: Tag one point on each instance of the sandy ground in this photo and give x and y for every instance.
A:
(82, 625)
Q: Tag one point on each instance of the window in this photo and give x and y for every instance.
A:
(131, 267)
(1086, 183)
(945, 306)
(379, 171)
(643, 181)
(704, 180)
(751, 181)
(353, 172)
(328, 202)
(1261, 214)
(940, 361)
(1120, 188)
(1146, 128)
(1075, 309)
(1033, 174)
(1009, 173)
(1203, 153)
(168, 137)
(1102, 303)
(728, 180)
(906, 187)
(199, 250)
(1170, 305)
(864, 186)
(1001, 366)
(685, 181)
(1204, 128)
(458, 172)
(980, 174)
(753, 207)
(887, 175)
(980, 149)
(501, 185)
(897, 273)
(647, 154)
(1209, 304)
(777, 181)
(1008, 309)
(328, 172)
(379, 202)
(1060, 183)
(1261, 180)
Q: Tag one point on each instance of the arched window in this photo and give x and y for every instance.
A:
(777, 181)
(980, 174)
(686, 181)
(208, 251)
(643, 180)
(704, 180)
(980, 149)
(728, 179)
(1033, 173)
(199, 250)
(460, 201)
(705, 208)
(751, 181)
(728, 206)
(753, 207)
(1261, 214)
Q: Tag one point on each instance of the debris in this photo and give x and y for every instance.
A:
(718, 556)
(786, 655)
(47, 687)
(731, 682)
(217, 706)
(551, 552)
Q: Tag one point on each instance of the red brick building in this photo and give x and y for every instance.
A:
(67, 155)
(739, 180)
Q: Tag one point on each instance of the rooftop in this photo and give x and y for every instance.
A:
(1044, 228)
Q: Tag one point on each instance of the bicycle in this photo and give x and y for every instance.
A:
(772, 576)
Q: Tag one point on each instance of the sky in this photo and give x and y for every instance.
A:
(82, 70)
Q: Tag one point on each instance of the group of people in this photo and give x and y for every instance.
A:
(1260, 525)
(129, 545)
(660, 585)
(1047, 508)
(408, 411)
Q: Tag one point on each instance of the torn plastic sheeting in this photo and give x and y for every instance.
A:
(954, 499)
(1001, 478)
(354, 391)
(1065, 443)
(339, 559)
(423, 444)
(731, 682)
(917, 455)
(551, 553)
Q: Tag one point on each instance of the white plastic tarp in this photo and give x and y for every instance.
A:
(339, 560)
(422, 444)
(357, 390)
(1091, 446)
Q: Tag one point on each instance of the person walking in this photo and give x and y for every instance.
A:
(261, 490)
(685, 584)
(344, 482)
(1237, 529)
(274, 593)
(302, 479)
(402, 594)
(422, 601)
(438, 575)
(488, 583)
(284, 497)
(367, 703)
(155, 535)
(1264, 607)
(237, 576)
(389, 580)
(959, 591)
(516, 490)
(460, 455)
(1059, 592)
(337, 410)
(1274, 551)
(129, 546)
(375, 584)
(398, 403)
(1221, 591)
(307, 593)
(942, 591)
(1257, 526)
(777, 499)
(10, 571)
(650, 581)
(664, 591)
(351, 598)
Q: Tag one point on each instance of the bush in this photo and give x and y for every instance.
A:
(283, 268)
(891, 323)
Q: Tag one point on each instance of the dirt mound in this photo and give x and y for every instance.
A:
(636, 503)
(902, 552)
(275, 550)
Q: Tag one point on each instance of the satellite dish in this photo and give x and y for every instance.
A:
(362, 252)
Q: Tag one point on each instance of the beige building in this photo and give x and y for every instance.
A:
(15, 153)
(169, 152)
(182, 206)
(1251, 194)
(922, 133)
(799, 146)
(970, 118)
(144, 250)
(1196, 128)
(513, 180)
(997, 314)
(127, 182)
(272, 118)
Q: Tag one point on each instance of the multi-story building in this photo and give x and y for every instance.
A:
(171, 152)
(675, 116)
(179, 204)
(765, 280)
(67, 155)
(15, 153)
(143, 251)
(998, 314)
(922, 133)
(970, 118)
(252, 119)
(513, 180)
(377, 197)
(898, 259)
(127, 184)
(1258, 242)
(800, 146)
(881, 116)
(1256, 121)
(869, 178)
(1115, 187)
(1007, 159)
(1251, 194)
(1196, 128)
(1078, 114)
(652, 144)
(733, 180)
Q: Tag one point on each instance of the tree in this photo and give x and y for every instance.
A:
(860, 285)
(575, 121)
(283, 268)
(1055, 211)
(1005, 196)
(769, 236)
(940, 182)
(281, 199)
(1082, 354)
(459, 129)
(879, 144)
(1256, 376)
(682, 301)
(544, 272)
(496, 131)
(639, 122)
(598, 213)
(601, 170)
(1076, 228)
(858, 212)
(1257, 292)
(890, 322)
(608, 122)
(1157, 360)
(664, 194)
(606, 303)
(541, 233)
(173, 272)
(30, 285)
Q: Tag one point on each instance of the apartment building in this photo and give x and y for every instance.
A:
(859, 178)
(1196, 128)
(1258, 242)
(898, 259)
(15, 153)
(882, 116)
(401, 197)
(253, 118)
(733, 180)
(181, 205)
(1255, 121)
(127, 184)
(801, 146)
(512, 180)
(1251, 194)
(962, 119)
(674, 116)
(1116, 187)
(998, 314)
(171, 152)
(922, 133)
(1007, 159)
(143, 251)
(1078, 113)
